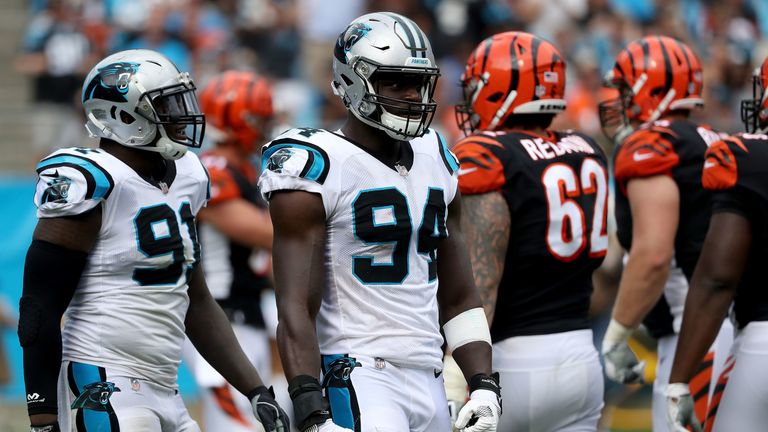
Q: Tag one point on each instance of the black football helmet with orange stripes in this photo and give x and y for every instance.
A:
(754, 112)
(654, 75)
(510, 73)
(238, 108)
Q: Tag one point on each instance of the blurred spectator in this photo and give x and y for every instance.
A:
(291, 41)
(156, 34)
(319, 26)
(56, 54)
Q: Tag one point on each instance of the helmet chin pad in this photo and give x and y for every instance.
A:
(400, 128)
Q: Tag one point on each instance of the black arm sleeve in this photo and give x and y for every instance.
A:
(51, 274)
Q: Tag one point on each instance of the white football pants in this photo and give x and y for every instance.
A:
(549, 382)
(139, 406)
(383, 397)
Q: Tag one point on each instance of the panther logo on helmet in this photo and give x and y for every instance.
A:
(348, 38)
(111, 83)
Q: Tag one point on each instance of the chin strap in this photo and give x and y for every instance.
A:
(97, 129)
(167, 148)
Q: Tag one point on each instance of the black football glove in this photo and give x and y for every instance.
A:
(267, 411)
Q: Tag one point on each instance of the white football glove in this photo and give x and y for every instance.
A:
(680, 409)
(328, 426)
(621, 364)
(481, 413)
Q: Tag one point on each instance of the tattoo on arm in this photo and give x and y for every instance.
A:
(486, 223)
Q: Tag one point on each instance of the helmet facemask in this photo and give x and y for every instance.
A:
(466, 117)
(754, 112)
(175, 112)
(615, 113)
(399, 118)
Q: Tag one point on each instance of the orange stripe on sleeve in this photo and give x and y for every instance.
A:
(223, 186)
(645, 153)
(481, 171)
(720, 169)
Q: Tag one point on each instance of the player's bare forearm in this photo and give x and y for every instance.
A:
(606, 278)
(486, 224)
(298, 257)
(457, 292)
(655, 203)
(211, 333)
(297, 344)
(712, 289)
(641, 287)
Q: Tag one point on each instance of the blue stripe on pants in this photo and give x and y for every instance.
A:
(339, 399)
(84, 374)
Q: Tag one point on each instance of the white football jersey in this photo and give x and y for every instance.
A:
(128, 311)
(384, 224)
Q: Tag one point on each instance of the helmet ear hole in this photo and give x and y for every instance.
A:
(126, 118)
(495, 97)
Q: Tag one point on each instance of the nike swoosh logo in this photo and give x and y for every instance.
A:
(54, 175)
(463, 171)
(709, 164)
(438, 373)
(637, 156)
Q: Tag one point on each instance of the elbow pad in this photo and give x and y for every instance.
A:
(51, 275)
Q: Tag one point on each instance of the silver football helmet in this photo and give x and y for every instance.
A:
(385, 45)
(138, 98)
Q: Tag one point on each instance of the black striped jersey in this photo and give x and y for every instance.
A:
(673, 148)
(236, 274)
(556, 188)
(128, 311)
(735, 170)
(383, 226)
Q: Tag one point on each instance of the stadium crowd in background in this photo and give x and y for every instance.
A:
(289, 41)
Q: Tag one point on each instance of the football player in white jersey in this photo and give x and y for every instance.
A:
(115, 251)
(367, 220)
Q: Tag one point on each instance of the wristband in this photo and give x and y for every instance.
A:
(616, 333)
(259, 391)
(309, 405)
(485, 382)
(50, 427)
